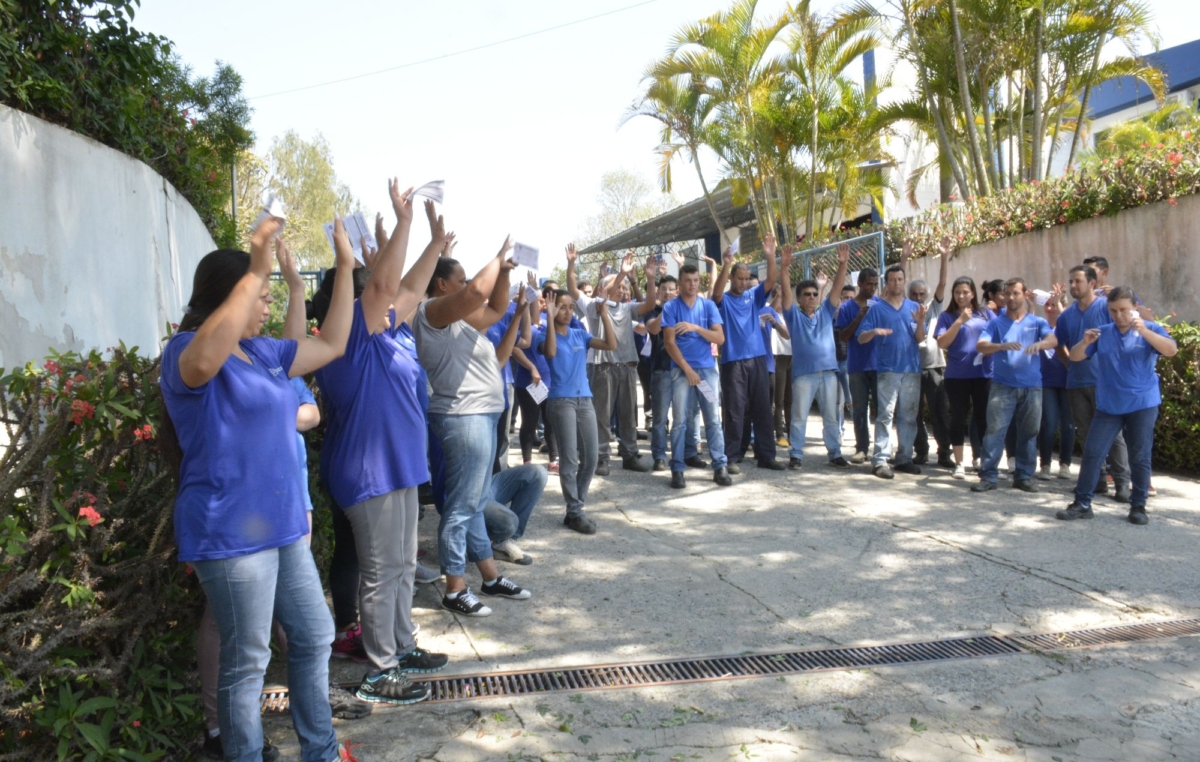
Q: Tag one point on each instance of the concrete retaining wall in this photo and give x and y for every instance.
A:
(95, 247)
(1155, 249)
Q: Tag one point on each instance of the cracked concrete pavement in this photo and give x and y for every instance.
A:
(812, 559)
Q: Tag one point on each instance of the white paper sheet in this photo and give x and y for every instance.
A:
(736, 246)
(646, 347)
(273, 208)
(434, 191)
(526, 256)
(707, 391)
(538, 391)
(356, 230)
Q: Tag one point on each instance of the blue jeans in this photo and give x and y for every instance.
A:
(1056, 416)
(822, 386)
(1138, 427)
(863, 387)
(843, 377)
(683, 397)
(469, 448)
(660, 382)
(245, 594)
(899, 398)
(515, 493)
(1022, 409)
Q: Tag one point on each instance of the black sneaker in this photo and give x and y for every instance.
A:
(733, 468)
(884, 472)
(909, 468)
(721, 477)
(580, 523)
(1073, 511)
(392, 687)
(1137, 515)
(697, 462)
(637, 463)
(839, 462)
(346, 706)
(420, 660)
(772, 465)
(502, 587)
(1101, 486)
(465, 603)
(660, 465)
(1123, 494)
(677, 480)
(214, 749)
(922, 459)
(982, 486)
(795, 464)
(1025, 485)
(946, 461)
(602, 469)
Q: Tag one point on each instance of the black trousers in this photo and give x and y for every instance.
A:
(531, 410)
(746, 396)
(343, 571)
(645, 371)
(933, 399)
(968, 411)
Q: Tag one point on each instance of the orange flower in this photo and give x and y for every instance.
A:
(93, 517)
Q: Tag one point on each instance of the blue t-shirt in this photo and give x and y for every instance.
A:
(767, 329)
(568, 367)
(1125, 377)
(813, 346)
(238, 492)
(743, 335)
(1072, 324)
(408, 342)
(495, 335)
(898, 352)
(860, 358)
(522, 378)
(1054, 373)
(696, 350)
(1014, 368)
(304, 396)
(962, 358)
(374, 422)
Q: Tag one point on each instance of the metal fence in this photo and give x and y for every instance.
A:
(312, 280)
(865, 251)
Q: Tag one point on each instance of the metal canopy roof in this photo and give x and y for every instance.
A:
(1181, 64)
(690, 222)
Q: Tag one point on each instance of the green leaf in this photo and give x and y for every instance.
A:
(95, 704)
(94, 735)
(916, 725)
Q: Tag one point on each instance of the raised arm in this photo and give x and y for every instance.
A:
(648, 303)
(718, 285)
(451, 308)
(939, 293)
(1164, 345)
(313, 354)
(772, 270)
(519, 324)
(785, 276)
(572, 256)
(416, 280)
(387, 267)
(295, 320)
(609, 342)
(839, 278)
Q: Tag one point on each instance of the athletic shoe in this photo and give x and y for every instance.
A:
(733, 468)
(677, 480)
(921, 460)
(1137, 515)
(1045, 474)
(947, 462)
(839, 462)
(1025, 485)
(660, 465)
(795, 464)
(416, 628)
(638, 463)
(772, 465)
(909, 468)
(858, 458)
(351, 646)
(1101, 486)
(782, 442)
(392, 687)
(345, 705)
(420, 660)
(721, 477)
(884, 472)
(427, 576)
(465, 603)
(601, 469)
(1151, 492)
(502, 587)
(976, 465)
(1073, 511)
(1123, 493)
(508, 551)
(553, 467)
(982, 486)
(960, 472)
(580, 522)
(697, 462)
(1064, 470)
(213, 749)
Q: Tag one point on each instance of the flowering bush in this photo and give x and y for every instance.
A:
(1177, 435)
(96, 616)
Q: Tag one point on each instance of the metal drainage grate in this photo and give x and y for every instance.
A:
(710, 668)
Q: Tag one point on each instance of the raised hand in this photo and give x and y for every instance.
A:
(662, 267)
(1144, 312)
(341, 245)
(843, 253)
(522, 300)
(679, 260)
(821, 281)
(260, 251)
(919, 314)
(945, 246)
(1091, 335)
(507, 247)
(287, 266)
(572, 253)
(401, 200)
(437, 227)
(431, 214)
(448, 246)
(769, 245)
(651, 267)
(507, 265)
(381, 239)
(789, 250)
(627, 263)
(531, 279)
(906, 251)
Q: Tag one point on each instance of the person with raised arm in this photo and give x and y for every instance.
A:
(229, 429)
(1014, 341)
(743, 371)
(570, 407)
(933, 364)
(1056, 402)
(814, 358)
(691, 325)
(371, 462)
(968, 373)
(861, 365)
(533, 370)
(467, 400)
(1127, 399)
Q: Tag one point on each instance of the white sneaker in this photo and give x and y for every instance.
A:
(858, 457)
(1064, 471)
(960, 472)
(975, 464)
(508, 551)
(1044, 474)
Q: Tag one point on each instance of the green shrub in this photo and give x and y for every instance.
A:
(1177, 436)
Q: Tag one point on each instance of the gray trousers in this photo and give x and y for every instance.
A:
(574, 422)
(1083, 410)
(615, 384)
(385, 534)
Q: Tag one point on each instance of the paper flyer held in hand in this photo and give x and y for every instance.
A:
(538, 391)
(707, 391)
(273, 208)
(356, 230)
(526, 256)
(434, 191)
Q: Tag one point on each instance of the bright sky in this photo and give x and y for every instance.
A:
(521, 131)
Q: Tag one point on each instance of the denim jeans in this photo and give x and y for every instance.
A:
(823, 387)
(899, 398)
(1022, 408)
(245, 593)
(1138, 428)
(515, 493)
(468, 450)
(864, 387)
(683, 396)
(1056, 416)
(1083, 410)
(574, 418)
(661, 381)
(843, 377)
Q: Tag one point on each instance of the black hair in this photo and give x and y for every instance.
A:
(806, 284)
(1099, 263)
(579, 286)
(1014, 282)
(1088, 271)
(740, 266)
(867, 272)
(667, 279)
(444, 269)
(894, 269)
(1121, 292)
(324, 295)
(991, 287)
(964, 280)
(847, 287)
(560, 293)
(689, 270)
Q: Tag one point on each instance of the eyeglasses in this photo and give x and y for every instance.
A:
(810, 294)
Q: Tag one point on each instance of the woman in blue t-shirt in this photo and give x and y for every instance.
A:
(569, 405)
(240, 521)
(968, 373)
(1127, 398)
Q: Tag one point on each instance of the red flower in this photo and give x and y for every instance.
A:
(88, 512)
(1066, 205)
(1172, 202)
(1029, 226)
(144, 433)
(80, 410)
(137, 724)
(52, 366)
(1062, 218)
(315, 331)
(1174, 157)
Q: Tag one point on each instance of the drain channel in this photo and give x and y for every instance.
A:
(711, 668)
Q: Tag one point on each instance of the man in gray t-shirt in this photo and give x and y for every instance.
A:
(613, 374)
(933, 367)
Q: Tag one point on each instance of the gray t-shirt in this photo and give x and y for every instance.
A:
(622, 316)
(464, 375)
(931, 353)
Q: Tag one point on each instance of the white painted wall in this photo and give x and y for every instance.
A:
(95, 247)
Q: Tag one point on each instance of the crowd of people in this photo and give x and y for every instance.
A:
(419, 371)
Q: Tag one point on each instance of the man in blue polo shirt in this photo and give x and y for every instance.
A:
(814, 359)
(691, 324)
(1088, 311)
(1014, 341)
(744, 374)
(861, 368)
(896, 325)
